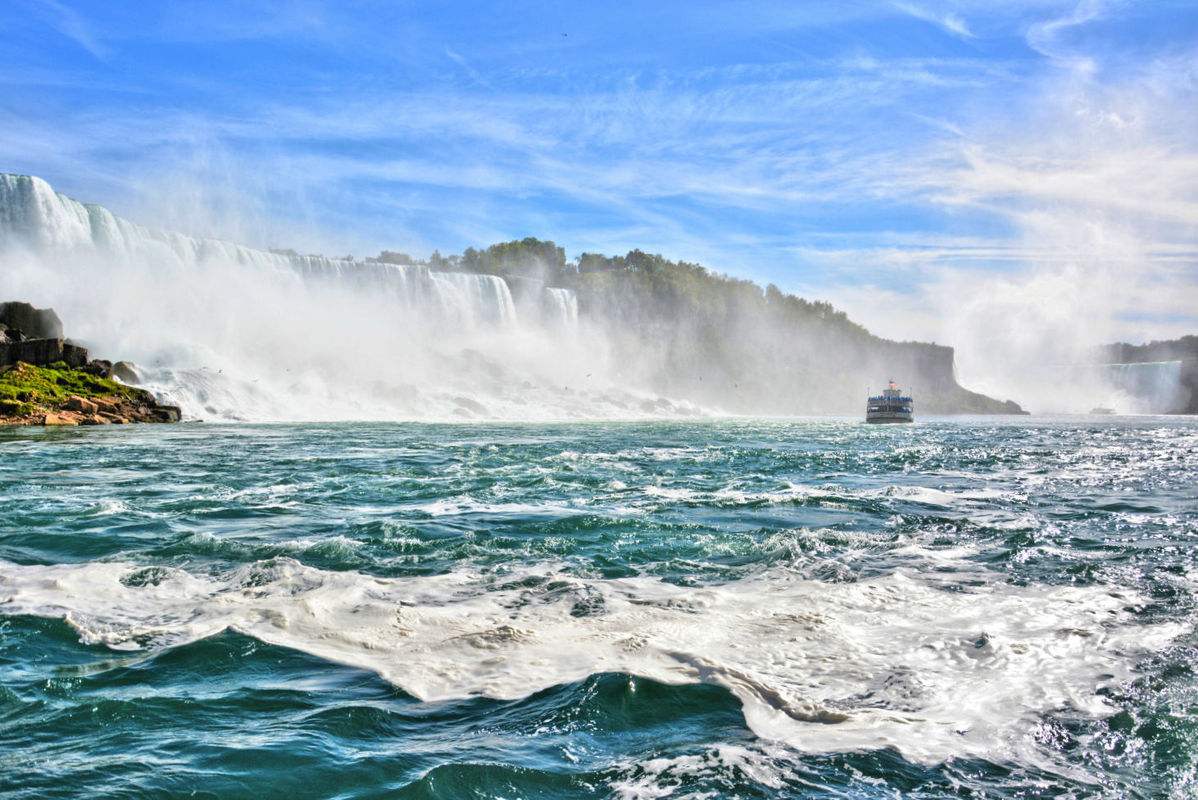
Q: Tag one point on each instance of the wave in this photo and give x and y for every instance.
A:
(933, 668)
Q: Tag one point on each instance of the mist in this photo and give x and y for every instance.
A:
(234, 333)
(230, 332)
(1091, 184)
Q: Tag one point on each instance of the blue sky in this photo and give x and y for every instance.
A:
(892, 157)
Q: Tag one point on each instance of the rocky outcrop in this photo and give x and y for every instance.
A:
(34, 323)
(42, 351)
(59, 395)
(47, 380)
(35, 336)
(104, 410)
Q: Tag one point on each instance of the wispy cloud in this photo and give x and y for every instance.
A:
(948, 20)
(1048, 36)
(69, 23)
(816, 150)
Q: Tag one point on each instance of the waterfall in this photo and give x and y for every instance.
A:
(561, 308)
(33, 213)
(234, 332)
(1150, 387)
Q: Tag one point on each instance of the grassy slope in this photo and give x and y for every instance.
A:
(24, 388)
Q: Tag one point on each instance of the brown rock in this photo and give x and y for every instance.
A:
(93, 419)
(81, 405)
(60, 418)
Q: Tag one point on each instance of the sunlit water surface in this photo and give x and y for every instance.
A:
(811, 608)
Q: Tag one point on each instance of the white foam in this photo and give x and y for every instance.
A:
(663, 777)
(934, 669)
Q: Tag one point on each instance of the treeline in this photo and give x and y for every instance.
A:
(690, 332)
(631, 284)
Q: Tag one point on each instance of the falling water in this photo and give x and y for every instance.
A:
(561, 308)
(234, 332)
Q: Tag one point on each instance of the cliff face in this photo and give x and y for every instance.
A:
(932, 371)
(728, 344)
(1183, 351)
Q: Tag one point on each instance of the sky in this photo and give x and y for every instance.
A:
(944, 171)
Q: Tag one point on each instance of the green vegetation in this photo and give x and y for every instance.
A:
(687, 331)
(638, 287)
(25, 388)
(528, 257)
(393, 257)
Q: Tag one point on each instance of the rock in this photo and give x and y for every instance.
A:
(35, 323)
(124, 372)
(32, 351)
(81, 405)
(166, 413)
(74, 355)
(98, 366)
(53, 418)
(94, 419)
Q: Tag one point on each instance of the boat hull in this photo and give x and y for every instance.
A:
(889, 418)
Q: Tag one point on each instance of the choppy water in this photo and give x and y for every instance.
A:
(973, 608)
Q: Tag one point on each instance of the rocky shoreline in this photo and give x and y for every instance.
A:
(47, 380)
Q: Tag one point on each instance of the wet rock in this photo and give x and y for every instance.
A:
(98, 366)
(124, 372)
(166, 414)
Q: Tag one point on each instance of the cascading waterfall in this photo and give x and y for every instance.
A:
(561, 308)
(233, 332)
(31, 212)
(1153, 387)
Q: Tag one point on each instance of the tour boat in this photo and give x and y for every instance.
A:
(890, 406)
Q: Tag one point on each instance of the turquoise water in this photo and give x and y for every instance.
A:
(967, 608)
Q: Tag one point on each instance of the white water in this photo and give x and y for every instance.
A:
(232, 332)
(937, 670)
(562, 308)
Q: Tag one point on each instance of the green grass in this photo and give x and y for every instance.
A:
(24, 388)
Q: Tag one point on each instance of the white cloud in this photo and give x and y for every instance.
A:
(949, 21)
(72, 25)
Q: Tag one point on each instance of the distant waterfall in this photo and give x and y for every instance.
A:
(1152, 387)
(561, 308)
